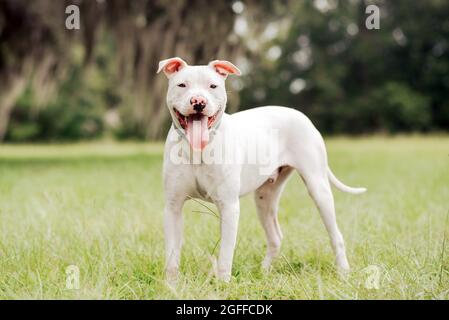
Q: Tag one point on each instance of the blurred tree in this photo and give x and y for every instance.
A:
(351, 79)
(149, 31)
(316, 56)
(27, 47)
(36, 45)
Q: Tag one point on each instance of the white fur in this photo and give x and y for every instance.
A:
(300, 147)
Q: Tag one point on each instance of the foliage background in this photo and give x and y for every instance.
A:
(316, 56)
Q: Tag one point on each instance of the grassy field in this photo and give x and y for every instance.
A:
(99, 207)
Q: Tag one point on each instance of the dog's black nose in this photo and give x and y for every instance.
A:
(198, 107)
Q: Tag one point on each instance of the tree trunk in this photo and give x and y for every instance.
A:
(144, 40)
(7, 101)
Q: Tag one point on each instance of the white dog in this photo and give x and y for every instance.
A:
(202, 130)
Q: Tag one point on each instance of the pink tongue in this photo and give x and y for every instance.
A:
(197, 132)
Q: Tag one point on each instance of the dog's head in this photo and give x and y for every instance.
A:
(196, 96)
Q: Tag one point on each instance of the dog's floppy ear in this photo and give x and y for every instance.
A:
(224, 68)
(171, 66)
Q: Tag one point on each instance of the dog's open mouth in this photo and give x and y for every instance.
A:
(183, 120)
(196, 127)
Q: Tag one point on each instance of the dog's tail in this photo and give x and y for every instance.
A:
(341, 186)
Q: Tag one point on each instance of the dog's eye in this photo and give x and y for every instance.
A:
(182, 85)
(213, 86)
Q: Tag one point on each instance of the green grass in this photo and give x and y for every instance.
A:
(99, 207)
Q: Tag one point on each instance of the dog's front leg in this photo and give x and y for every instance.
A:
(230, 212)
(173, 238)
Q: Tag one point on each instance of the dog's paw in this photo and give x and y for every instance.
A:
(343, 269)
(171, 276)
(266, 265)
(171, 285)
(214, 269)
(224, 276)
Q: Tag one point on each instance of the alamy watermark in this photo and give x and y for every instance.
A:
(72, 280)
(373, 20)
(260, 149)
(72, 21)
(372, 280)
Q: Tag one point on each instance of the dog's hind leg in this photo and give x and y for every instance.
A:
(311, 163)
(267, 202)
(320, 190)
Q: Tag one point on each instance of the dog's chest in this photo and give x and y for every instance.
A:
(210, 181)
(201, 191)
